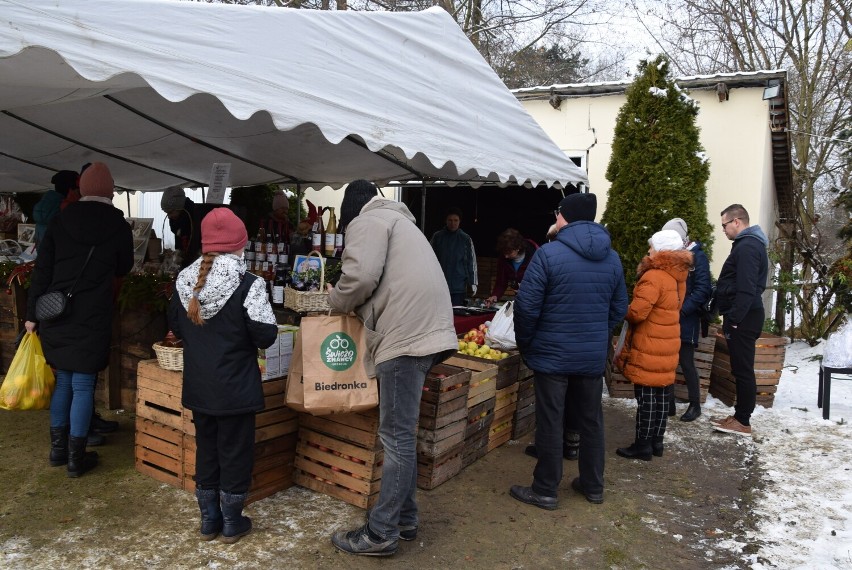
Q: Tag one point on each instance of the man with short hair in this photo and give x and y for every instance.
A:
(455, 252)
(738, 296)
(572, 297)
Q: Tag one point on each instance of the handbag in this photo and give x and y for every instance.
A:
(50, 306)
(327, 373)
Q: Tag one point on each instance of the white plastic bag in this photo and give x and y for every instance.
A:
(838, 348)
(501, 333)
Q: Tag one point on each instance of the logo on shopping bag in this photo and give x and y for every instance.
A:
(338, 351)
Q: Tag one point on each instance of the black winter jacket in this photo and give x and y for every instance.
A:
(743, 277)
(79, 340)
(698, 288)
(221, 376)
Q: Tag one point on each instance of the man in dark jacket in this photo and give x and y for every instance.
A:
(572, 297)
(455, 252)
(739, 293)
(698, 288)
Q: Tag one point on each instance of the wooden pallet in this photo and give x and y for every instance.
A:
(770, 351)
(433, 471)
(338, 468)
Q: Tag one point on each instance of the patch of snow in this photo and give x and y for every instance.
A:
(657, 92)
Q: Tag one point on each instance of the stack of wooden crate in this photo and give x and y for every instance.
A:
(341, 456)
(617, 385)
(165, 434)
(524, 419)
(481, 399)
(505, 404)
(770, 351)
(442, 424)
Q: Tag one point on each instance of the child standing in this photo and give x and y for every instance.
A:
(223, 315)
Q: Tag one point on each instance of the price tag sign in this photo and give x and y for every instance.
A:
(220, 178)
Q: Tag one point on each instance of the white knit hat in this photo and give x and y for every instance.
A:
(666, 240)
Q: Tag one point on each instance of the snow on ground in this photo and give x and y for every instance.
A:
(806, 508)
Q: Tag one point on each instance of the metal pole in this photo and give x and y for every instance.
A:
(423, 207)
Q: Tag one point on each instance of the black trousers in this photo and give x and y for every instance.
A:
(686, 360)
(224, 454)
(580, 398)
(741, 348)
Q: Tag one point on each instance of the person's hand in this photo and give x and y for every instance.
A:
(490, 301)
(329, 287)
(30, 326)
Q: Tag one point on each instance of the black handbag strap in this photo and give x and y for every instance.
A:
(88, 257)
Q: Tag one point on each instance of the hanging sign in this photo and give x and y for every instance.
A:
(220, 178)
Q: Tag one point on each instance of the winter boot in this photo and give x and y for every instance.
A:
(58, 446)
(100, 425)
(236, 525)
(640, 449)
(692, 413)
(657, 446)
(80, 460)
(672, 406)
(211, 513)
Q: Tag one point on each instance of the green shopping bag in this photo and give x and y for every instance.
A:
(29, 383)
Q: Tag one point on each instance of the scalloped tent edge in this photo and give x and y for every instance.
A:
(161, 90)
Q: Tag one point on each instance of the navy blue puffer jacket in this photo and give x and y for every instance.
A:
(698, 287)
(572, 296)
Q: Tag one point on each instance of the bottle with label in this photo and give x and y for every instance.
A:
(271, 244)
(260, 244)
(330, 233)
(278, 285)
(248, 254)
(319, 231)
(283, 249)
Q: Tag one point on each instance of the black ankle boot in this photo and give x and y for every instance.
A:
(640, 449)
(80, 460)
(58, 446)
(692, 413)
(657, 447)
(235, 525)
(211, 513)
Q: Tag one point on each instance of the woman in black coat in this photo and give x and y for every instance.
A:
(77, 343)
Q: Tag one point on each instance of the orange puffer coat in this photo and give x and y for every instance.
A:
(651, 349)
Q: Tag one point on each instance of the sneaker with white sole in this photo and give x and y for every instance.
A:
(731, 425)
(360, 542)
(717, 421)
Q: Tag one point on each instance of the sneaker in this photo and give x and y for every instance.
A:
(718, 421)
(407, 532)
(731, 425)
(596, 498)
(360, 542)
(100, 425)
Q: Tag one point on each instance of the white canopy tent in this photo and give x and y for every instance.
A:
(160, 90)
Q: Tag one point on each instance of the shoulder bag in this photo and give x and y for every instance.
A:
(52, 305)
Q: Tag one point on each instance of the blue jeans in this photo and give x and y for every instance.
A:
(72, 401)
(400, 387)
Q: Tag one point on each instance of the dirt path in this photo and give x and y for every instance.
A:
(673, 512)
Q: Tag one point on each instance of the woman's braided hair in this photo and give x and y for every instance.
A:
(193, 311)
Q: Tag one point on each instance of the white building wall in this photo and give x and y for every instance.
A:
(734, 133)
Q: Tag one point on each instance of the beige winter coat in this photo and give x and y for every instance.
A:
(392, 280)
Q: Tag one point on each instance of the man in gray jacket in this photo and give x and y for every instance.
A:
(392, 280)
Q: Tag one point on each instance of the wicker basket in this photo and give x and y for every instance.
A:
(308, 301)
(168, 357)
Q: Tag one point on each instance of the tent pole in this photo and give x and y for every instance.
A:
(423, 206)
(299, 196)
(127, 193)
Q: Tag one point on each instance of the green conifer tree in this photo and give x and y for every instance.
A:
(658, 168)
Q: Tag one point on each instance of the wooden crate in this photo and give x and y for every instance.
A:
(433, 471)
(158, 396)
(524, 424)
(479, 418)
(770, 351)
(475, 447)
(337, 468)
(703, 364)
(524, 371)
(617, 385)
(272, 470)
(507, 368)
(444, 399)
(159, 451)
(501, 426)
(434, 443)
(506, 398)
(483, 377)
(360, 428)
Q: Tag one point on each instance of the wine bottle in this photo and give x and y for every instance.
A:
(330, 233)
(278, 285)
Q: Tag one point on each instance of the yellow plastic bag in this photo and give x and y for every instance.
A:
(29, 383)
